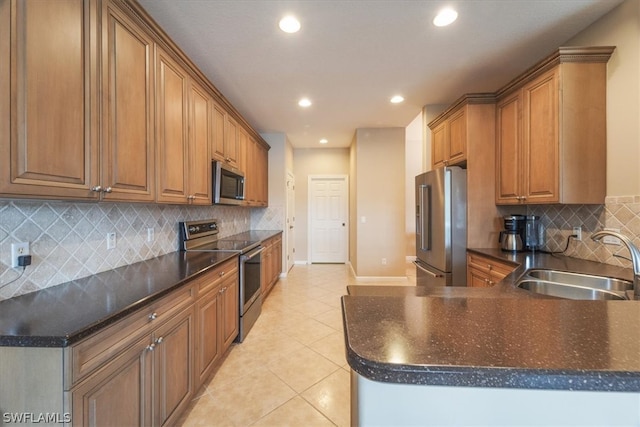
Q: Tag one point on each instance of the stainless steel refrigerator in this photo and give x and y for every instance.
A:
(441, 227)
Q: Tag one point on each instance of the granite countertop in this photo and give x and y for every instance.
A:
(64, 314)
(495, 337)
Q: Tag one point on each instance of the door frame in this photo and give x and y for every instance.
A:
(337, 177)
(289, 255)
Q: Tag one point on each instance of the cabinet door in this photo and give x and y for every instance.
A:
(208, 348)
(439, 145)
(199, 141)
(457, 151)
(49, 99)
(541, 143)
(230, 310)
(243, 140)
(171, 130)
(128, 142)
(218, 140)
(173, 367)
(508, 150)
(477, 278)
(266, 268)
(262, 197)
(118, 394)
(231, 143)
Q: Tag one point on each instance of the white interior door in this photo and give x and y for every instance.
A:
(290, 225)
(328, 214)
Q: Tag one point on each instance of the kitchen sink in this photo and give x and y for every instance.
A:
(584, 280)
(562, 290)
(563, 284)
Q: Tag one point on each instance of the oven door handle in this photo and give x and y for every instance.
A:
(253, 253)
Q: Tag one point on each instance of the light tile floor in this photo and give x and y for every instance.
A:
(291, 369)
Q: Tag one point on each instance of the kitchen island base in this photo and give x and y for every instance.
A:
(376, 403)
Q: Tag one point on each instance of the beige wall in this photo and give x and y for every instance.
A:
(353, 208)
(313, 161)
(380, 199)
(413, 167)
(620, 28)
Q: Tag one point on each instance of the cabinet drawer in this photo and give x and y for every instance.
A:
(497, 269)
(213, 278)
(91, 353)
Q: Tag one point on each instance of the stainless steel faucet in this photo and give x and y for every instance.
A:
(633, 250)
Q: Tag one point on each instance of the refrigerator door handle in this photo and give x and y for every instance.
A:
(429, 272)
(424, 218)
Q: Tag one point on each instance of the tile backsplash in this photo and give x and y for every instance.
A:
(68, 240)
(622, 213)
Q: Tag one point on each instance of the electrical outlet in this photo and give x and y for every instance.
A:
(384, 261)
(610, 240)
(150, 235)
(111, 240)
(17, 250)
(578, 232)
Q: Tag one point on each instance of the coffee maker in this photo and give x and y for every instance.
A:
(534, 235)
(512, 237)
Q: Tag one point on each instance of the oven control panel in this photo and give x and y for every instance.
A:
(192, 229)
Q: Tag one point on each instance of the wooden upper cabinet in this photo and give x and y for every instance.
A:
(128, 100)
(457, 127)
(200, 107)
(49, 99)
(458, 137)
(171, 129)
(231, 142)
(508, 148)
(551, 131)
(219, 126)
(449, 140)
(439, 145)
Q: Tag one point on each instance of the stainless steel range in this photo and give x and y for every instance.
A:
(203, 236)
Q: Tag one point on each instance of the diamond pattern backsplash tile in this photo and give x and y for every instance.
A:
(621, 213)
(68, 240)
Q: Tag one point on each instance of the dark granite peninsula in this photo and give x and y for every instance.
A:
(497, 356)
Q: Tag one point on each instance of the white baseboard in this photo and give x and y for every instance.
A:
(301, 262)
(381, 278)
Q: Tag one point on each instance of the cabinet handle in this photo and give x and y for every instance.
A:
(228, 159)
(159, 340)
(222, 273)
(151, 347)
(96, 189)
(489, 266)
(107, 190)
(153, 316)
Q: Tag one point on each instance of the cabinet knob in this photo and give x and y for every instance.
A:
(222, 273)
(153, 316)
(159, 340)
(151, 347)
(96, 189)
(107, 190)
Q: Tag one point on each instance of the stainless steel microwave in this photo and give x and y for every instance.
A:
(228, 185)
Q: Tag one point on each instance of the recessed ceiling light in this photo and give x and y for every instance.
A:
(397, 99)
(304, 102)
(324, 141)
(289, 24)
(445, 17)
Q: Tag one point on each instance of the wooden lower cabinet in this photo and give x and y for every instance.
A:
(150, 383)
(144, 369)
(485, 271)
(124, 383)
(271, 263)
(217, 314)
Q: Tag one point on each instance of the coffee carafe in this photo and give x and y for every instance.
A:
(511, 237)
(534, 236)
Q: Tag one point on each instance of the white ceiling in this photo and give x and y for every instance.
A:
(350, 57)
